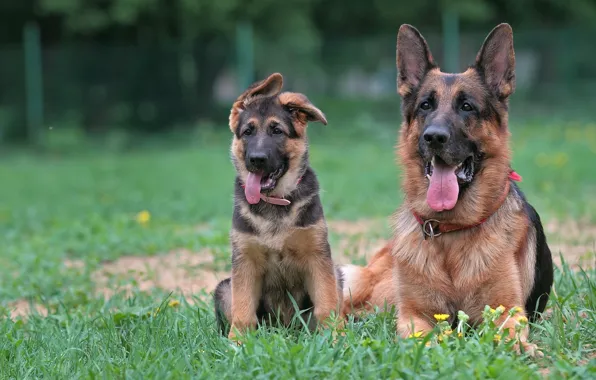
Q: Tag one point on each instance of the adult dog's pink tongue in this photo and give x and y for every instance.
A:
(252, 189)
(444, 189)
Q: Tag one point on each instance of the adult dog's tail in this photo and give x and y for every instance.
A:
(369, 286)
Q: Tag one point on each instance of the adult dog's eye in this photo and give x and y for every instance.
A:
(466, 107)
(425, 106)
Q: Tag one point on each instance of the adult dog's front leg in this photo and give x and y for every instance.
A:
(518, 329)
(412, 324)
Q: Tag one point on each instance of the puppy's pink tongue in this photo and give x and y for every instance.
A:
(252, 190)
(444, 189)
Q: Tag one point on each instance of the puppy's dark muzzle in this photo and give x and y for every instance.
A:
(257, 161)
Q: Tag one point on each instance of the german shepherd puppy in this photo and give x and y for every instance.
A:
(279, 234)
(465, 236)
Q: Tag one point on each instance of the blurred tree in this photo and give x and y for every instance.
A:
(185, 44)
(346, 26)
(205, 27)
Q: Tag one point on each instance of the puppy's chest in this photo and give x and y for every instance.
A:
(282, 270)
(273, 233)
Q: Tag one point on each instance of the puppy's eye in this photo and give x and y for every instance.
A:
(466, 107)
(247, 132)
(425, 106)
(276, 130)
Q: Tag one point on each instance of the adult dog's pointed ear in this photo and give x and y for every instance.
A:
(265, 88)
(301, 109)
(496, 61)
(414, 59)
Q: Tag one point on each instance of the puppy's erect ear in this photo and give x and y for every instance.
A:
(265, 88)
(302, 110)
(414, 59)
(496, 61)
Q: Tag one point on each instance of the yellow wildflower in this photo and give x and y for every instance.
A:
(500, 309)
(143, 217)
(497, 338)
(515, 310)
(492, 311)
(560, 159)
(448, 332)
(417, 334)
(441, 317)
(523, 320)
(174, 303)
(459, 335)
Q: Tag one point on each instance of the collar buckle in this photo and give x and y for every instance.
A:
(428, 230)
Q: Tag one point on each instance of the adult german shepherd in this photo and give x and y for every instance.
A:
(465, 236)
(279, 234)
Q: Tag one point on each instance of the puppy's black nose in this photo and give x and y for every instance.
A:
(257, 160)
(436, 136)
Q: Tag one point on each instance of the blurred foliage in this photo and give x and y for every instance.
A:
(150, 65)
(204, 28)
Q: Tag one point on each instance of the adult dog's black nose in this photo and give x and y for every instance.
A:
(257, 160)
(436, 136)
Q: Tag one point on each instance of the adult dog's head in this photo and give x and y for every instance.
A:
(269, 148)
(454, 136)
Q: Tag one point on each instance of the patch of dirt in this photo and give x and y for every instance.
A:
(188, 273)
(74, 264)
(179, 271)
(587, 359)
(354, 245)
(575, 240)
(359, 227)
(23, 308)
(356, 250)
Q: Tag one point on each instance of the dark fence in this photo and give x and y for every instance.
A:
(98, 87)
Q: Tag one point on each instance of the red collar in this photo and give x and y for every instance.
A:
(275, 200)
(432, 227)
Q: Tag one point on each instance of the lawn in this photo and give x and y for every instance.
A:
(115, 252)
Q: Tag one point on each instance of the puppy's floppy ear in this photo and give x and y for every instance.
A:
(414, 59)
(265, 88)
(302, 109)
(495, 61)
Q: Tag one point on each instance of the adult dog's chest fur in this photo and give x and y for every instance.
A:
(457, 267)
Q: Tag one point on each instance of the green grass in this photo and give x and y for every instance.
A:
(81, 204)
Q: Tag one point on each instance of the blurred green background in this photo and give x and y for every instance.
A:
(118, 67)
(109, 108)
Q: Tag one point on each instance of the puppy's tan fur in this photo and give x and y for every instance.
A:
(277, 249)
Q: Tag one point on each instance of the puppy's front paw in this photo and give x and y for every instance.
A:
(233, 336)
(238, 329)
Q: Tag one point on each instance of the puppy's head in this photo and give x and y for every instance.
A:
(269, 148)
(454, 136)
